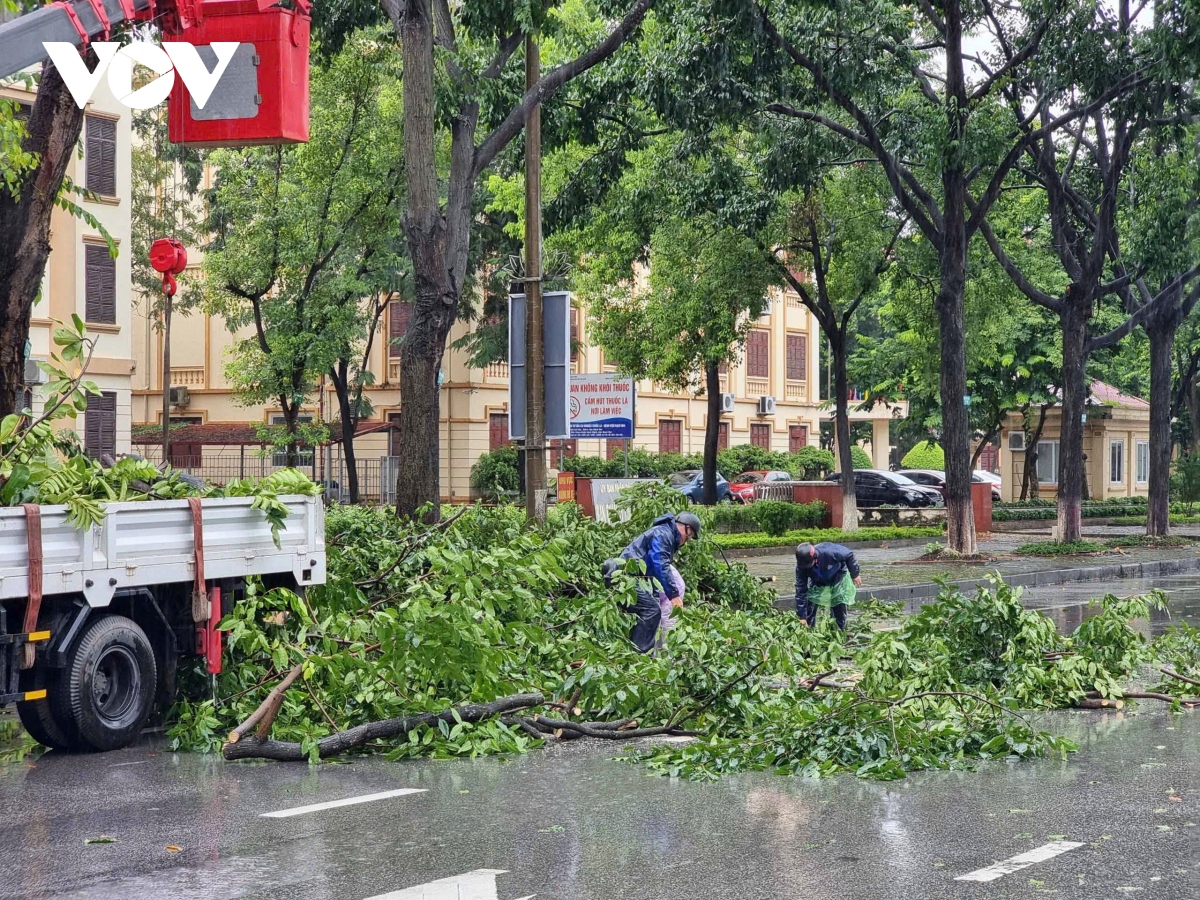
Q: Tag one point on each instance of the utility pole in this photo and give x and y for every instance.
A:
(535, 351)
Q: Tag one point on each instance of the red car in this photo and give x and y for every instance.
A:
(743, 486)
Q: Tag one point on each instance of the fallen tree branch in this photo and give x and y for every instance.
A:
(268, 709)
(1100, 703)
(606, 730)
(340, 742)
(1183, 678)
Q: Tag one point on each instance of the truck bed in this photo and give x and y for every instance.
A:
(150, 542)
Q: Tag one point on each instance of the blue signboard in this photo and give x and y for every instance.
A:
(602, 406)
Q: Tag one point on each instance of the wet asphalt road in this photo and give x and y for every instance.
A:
(573, 823)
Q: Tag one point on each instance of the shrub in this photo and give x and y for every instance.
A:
(812, 463)
(816, 535)
(495, 474)
(925, 455)
(734, 518)
(1185, 483)
(771, 516)
(860, 458)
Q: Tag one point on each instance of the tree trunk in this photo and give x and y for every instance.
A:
(1029, 480)
(53, 129)
(841, 428)
(712, 431)
(1161, 330)
(166, 379)
(1193, 405)
(1071, 470)
(956, 426)
(349, 417)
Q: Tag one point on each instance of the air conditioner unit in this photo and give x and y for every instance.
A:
(766, 406)
(34, 373)
(727, 403)
(1016, 440)
(180, 396)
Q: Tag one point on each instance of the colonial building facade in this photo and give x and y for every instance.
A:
(781, 361)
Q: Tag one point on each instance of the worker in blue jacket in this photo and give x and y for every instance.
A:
(826, 576)
(656, 547)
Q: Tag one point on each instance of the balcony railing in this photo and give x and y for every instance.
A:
(796, 390)
(758, 387)
(191, 376)
(497, 371)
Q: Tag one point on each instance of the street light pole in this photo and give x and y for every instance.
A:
(535, 351)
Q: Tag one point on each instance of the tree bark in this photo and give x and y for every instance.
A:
(841, 426)
(1160, 329)
(712, 432)
(1071, 471)
(340, 377)
(166, 378)
(53, 129)
(1193, 407)
(1029, 480)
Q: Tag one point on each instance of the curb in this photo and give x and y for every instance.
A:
(1044, 579)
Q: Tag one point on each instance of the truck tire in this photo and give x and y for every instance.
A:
(38, 718)
(109, 683)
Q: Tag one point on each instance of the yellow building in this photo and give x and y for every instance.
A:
(83, 279)
(1116, 448)
(781, 361)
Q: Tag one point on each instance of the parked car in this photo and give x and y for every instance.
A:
(690, 483)
(981, 475)
(743, 485)
(878, 487)
(931, 478)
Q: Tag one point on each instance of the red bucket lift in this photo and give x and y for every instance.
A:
(262, 98)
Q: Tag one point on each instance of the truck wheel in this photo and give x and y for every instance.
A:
(109, 683)
(36, 715)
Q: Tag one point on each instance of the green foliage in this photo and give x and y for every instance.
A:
(495, 473)
(1059, 548)
(774, 517)
(860, 458)
(816, 535)
(812, 463)
(1185, 483)
(925, 455)
(809, 464)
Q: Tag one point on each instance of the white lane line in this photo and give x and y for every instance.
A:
(333, 804)
(1019, 862)
(479, 884)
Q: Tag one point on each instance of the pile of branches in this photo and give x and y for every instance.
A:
(484, 635)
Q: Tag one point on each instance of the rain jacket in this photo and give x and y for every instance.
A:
(657, 547)
(832, 565)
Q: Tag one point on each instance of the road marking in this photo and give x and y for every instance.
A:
(479, 884)
(333, 804)
(1019, 862)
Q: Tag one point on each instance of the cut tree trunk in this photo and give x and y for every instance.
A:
(346, 410)
(841, 425)
(1071, 471)
(712, 431)
(1161, 330)
(53, 129)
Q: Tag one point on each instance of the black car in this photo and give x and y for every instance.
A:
(877, 487)
(690, 483)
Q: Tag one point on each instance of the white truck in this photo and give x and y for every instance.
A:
(93, 622)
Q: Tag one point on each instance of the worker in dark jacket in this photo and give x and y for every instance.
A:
(826, 575)
(656, 547)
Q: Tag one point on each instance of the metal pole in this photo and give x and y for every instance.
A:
(535, 404)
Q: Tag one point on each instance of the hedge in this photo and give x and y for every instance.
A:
(860, 458)
(770, 516)
(809, 464)
(816, 535)
(925, 455)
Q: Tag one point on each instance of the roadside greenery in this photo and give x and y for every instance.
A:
(753, 540)
(775, 517)
(925, 455)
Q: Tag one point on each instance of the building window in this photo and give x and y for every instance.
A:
(99, 285)
(498, 431)
(1143, 462)
(723, 436)
(758, 361)
(1116, 462)
(279, 456)
(797, 438)
(399, 312)
(100, 426)
(560, 449)
(670, 434)
(797, 357)
(101, 156)
(760, 435)
(1047, 462)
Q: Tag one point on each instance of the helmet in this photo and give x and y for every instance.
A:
(804, 556)
(690, 521)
